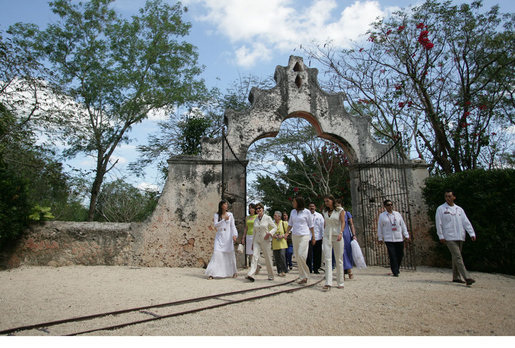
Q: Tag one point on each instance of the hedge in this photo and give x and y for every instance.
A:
(487, 196)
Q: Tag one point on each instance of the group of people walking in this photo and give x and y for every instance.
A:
(312, 237)
(304, 233)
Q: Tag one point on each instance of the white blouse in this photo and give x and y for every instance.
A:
(301, 222)
(225, 230)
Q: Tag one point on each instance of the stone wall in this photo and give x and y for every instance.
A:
(59, 243)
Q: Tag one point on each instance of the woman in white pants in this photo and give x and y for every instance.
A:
(302, 228)
(334, 225)
(264, 228)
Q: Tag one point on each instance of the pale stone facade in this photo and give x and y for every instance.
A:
(180, 232)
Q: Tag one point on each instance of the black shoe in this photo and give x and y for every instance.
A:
(458, 281)
(250, 278)
(316, 272)
(470, 281)
(396, 275)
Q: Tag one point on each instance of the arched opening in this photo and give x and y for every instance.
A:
(299, 159)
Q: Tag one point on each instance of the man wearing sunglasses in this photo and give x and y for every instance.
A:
(392, 230)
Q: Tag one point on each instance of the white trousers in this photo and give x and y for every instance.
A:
(265, 246)
(300, 250)
(327, 245)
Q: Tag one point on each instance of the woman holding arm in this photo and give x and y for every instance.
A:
(223, 261)
(334, 224)
(248, 233)
(279, 244)
(302, 228)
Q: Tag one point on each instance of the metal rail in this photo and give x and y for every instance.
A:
(168, 304)
(114, 327)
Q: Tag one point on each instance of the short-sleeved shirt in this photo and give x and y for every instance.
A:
(301, 222)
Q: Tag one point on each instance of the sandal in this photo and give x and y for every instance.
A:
(326, 288)
(209, 278)
(235, 275)
(303, 281)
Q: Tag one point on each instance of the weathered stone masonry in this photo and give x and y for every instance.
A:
(180, 232)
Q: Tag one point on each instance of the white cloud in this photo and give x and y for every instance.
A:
(145, 186)
(248, 57)
(258, 28)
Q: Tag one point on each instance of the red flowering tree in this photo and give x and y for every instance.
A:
(439, 74)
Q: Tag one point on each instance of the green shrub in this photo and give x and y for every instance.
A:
(14, 206)
(488, 200)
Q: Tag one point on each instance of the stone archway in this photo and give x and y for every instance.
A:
(181, 231)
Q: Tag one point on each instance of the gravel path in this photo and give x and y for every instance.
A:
(424, 302)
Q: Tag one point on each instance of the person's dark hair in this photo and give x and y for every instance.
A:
(449, 190)
(253, 206)
(301, 205)
(386, 202)
(260, 205)
(331, 198)
(220, 208)
(282, 216)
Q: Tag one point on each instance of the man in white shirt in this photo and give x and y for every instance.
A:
(451, 225)
(393, 231)
(314, 259)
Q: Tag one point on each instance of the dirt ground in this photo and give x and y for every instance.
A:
(418, 303)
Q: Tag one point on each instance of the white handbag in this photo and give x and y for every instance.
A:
(357, 255)
(240, 249)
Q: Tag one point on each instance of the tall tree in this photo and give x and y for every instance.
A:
(440, 74)
(182, 132)
(317, 172)
(116, 71)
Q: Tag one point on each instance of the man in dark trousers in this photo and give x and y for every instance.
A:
(393, 231)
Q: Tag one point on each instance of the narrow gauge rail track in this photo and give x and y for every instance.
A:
(45, 325)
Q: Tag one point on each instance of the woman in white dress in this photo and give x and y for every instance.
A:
(334, 224)
(223, 261)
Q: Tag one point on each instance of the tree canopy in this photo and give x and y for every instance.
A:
(115, 72)
(441, 75)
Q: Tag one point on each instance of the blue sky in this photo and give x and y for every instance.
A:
(239, 37)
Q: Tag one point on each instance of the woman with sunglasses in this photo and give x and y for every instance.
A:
(264, 228)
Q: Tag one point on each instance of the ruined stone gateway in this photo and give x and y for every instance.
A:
(180, 232)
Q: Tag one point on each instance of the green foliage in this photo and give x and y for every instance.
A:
(115, 71)
(315, 174)
(122, 202)
(14, 206)
(40, 213)
(192, 130)
(487, 198)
